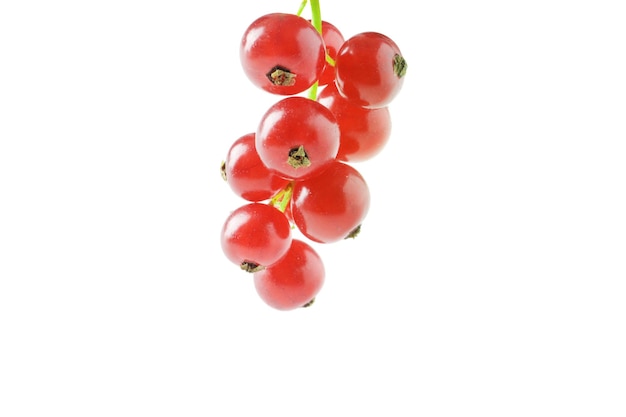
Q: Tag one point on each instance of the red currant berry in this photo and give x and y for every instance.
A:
(370, 69)
(333, 39)
(331, 206)
(255, 235)
(297, 138)
(294, 280)
(245, 173)
(364, 132)
(282, 53)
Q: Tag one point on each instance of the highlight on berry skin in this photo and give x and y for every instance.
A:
(293, 167)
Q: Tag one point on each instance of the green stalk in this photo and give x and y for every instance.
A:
(316, 15)
(302, 6)
(282, 198)
(312, 94)
(316, 21)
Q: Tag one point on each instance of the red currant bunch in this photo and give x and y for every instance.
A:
(294, 170)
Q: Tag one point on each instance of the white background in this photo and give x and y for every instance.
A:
(489, 276)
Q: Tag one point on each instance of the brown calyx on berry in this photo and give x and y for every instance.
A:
(310, 303)
(399, 65)
(251, 266)
(298, 158)
(354, 233)
(281, 76)
(223, 171)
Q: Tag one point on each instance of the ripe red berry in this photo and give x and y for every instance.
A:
(370, 69)
(331, 206)
(364, 132)
(282, 53)
(297, 138)
(255, 235)
(245, 173)
(294, 280)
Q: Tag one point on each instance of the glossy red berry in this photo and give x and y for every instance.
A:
(370, 69)
(297, 138)
(282, 53)
(246, 175)
(294, 280)
(364, 132)
(331, 206)
(255, 235)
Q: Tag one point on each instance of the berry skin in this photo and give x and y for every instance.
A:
(297, 138)
(282, 53)
(364, 132)
(245, 173)
(332, 205)
(255, 235)
(294, 280)
(370, 69)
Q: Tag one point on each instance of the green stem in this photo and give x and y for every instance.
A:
(282, 198)
(302, 6)
(316, 21)
(316, 15)
(313, 92)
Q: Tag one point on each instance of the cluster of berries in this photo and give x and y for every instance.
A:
(295, 168)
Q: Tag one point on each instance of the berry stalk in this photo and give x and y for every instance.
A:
(283, 197)
(302, 6)
(316, 21)
(316, 15)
